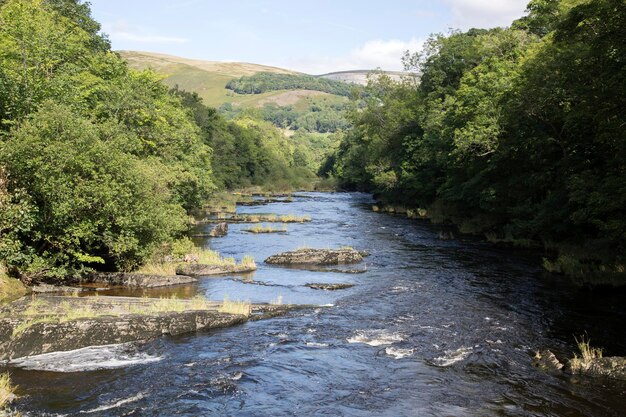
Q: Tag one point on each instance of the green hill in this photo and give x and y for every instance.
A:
(209, 79)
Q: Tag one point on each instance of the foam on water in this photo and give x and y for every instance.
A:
(316, 344)
(398, 353)
(452, 356)
(116, 404)
(376, 337)
(87, 359)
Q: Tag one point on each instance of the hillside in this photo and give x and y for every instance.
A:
(209, 78)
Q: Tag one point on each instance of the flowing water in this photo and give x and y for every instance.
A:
(434, 327)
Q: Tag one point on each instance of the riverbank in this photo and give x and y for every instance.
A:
(584, 268)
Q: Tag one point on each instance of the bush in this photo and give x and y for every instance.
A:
(97, 205)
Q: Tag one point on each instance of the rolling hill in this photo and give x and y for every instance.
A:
(208, 79)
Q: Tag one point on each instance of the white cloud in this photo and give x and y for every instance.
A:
(122, 31)
(384, 54)
(485, 13)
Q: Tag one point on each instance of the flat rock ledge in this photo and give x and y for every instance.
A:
(43, 288)
(52, 337)
(200, 270)
(128, 279)
(317, 257)
(114, 327)
(610, 367)
(328, 287)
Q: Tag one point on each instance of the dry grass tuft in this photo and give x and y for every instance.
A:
(41, 311)
(10, 288)
(199, 256)
(158, 268)
(290, 218)
(248, 262)
(7, 391)
(266, 229)
(243, 308)
(588, 354)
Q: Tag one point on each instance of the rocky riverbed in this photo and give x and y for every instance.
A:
(43, 324)
(430, 326)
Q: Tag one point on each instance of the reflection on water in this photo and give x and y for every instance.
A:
(434, 327)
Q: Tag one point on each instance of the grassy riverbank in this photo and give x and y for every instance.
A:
(10, 288)
(160, 266)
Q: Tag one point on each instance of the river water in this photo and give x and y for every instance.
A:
(433, 328)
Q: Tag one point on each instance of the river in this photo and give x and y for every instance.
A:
(433, 328)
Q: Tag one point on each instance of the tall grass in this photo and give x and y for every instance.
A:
(243, 308)
(587, 354)
(7, 391)
(10, 288)
(200, 256)
(248, 262)
(266, 229)
(158, 268)
(41, 311)
(290, 218)
(271, 218)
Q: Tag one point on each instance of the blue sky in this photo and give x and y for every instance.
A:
(309, 36)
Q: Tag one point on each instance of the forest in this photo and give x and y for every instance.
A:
(516, 134)
(267, 81)
(317, 116)
(100, 165)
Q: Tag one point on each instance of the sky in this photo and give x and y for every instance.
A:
(314, 37)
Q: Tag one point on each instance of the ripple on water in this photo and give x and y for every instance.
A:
(87, 359)
(451, 357)
(317, 344)
(115, 404)
(376, 337)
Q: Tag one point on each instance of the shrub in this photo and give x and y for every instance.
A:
(96, 204)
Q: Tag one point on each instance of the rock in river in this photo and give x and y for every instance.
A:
(199, 270)
(127, 279)
(47, 337)
(318, 257)
(220, 229)
(328, 287)
(547, 361)
(54, 323)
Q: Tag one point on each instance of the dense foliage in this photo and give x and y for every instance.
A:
(316, 116)
(100, 164)
(517, 133)
(248, 151)
(269, 81)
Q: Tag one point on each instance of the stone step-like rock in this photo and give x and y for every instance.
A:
(129, 279)
(199, 270)
(318, 257)
(328, 287)
(62, 336)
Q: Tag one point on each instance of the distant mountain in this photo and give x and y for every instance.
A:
(360, 76)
